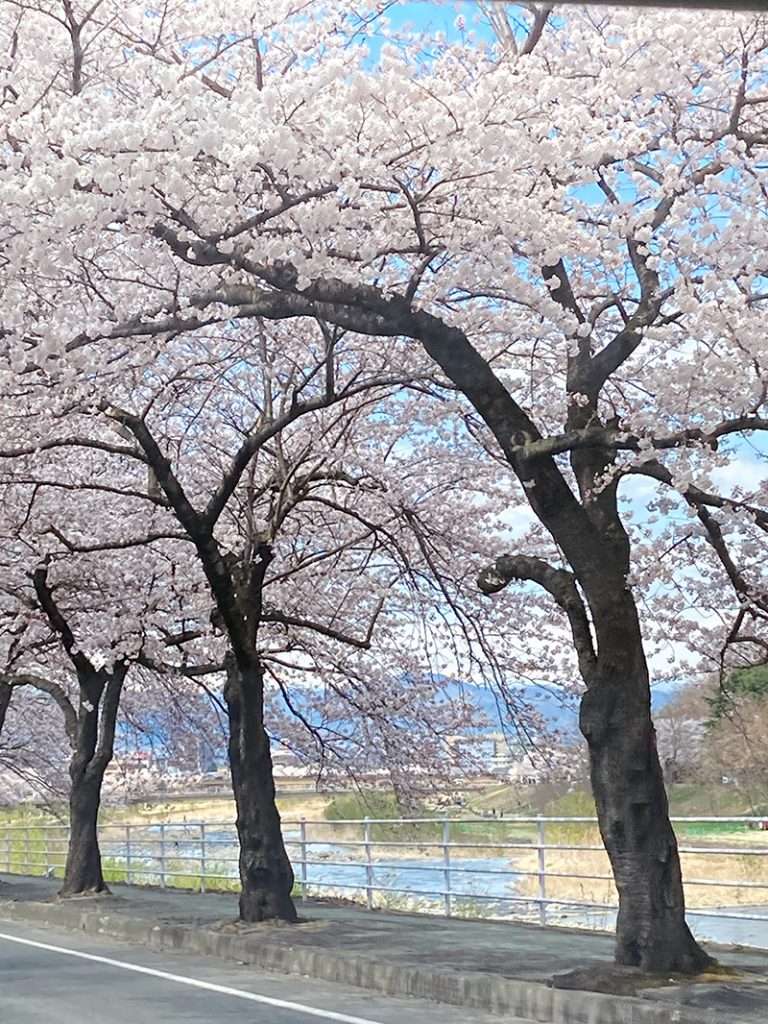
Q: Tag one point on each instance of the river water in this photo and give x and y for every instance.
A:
(480, 886)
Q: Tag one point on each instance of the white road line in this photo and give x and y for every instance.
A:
(225, 990)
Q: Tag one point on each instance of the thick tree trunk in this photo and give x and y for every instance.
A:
(83, 873)
(632, 806)
(265, 871)
(92, 741)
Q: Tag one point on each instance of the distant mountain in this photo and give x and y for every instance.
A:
(557, 706)
(662, 693)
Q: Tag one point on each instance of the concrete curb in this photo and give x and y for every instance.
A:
(488, 992)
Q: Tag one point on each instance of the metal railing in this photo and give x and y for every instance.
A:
(505, 867)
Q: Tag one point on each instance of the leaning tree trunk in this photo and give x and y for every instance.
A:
(93, 743)
(632, 806)
(266, 875)
(83, 873)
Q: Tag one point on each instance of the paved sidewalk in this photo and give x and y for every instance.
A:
(499, 967)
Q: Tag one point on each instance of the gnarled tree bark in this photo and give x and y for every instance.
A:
(91, 731)
(627, 781)
(93, 744)
(266, 875)
(631, 801)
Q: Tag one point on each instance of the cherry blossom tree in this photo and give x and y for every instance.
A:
(91, 728)
(565, 227)
(72, 623)
(60, 639)
(258, 476)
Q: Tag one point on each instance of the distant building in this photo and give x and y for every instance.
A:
(136, 761)
(489, 753)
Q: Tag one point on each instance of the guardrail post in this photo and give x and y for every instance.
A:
(46, 855)
(162, 855)
(447, 866)
(540, 841)
(128, 879)
(202, 856)
(303, 856)
(368, 865)
(27, 864)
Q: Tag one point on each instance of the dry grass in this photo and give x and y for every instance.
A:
(173, 811)
(310, 806)
(212, 809)
(735, 868)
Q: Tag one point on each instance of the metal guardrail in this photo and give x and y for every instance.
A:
(461, 866)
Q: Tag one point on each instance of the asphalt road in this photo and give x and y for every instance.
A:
(51, 975)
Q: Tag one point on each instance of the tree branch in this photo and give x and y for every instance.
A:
(108, 719)
(540, 18)
(272, 615)
(54, 691)
(116, 545)
(695, 496)
(197, 527)
(560, 584)
(746, 593)
(59, 623)
(72, 442)
(611, 437)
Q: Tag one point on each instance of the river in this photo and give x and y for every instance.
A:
(480, 886)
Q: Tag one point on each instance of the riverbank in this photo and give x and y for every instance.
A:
(745, 871)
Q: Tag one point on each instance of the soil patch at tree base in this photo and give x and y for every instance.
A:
(620, 980)
(238, 927)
